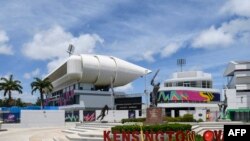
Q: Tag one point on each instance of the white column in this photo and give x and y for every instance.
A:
(172, 113)
(80, 115)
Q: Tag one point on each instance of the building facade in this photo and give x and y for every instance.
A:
(84, 82)
(237, 90)
(190, 92)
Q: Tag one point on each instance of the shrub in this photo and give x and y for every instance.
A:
(152, 128)
(197, 138)
(171, 119)
(200, 120)
(187, 118)
(133, 120)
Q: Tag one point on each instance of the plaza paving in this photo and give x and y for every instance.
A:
(86, 131)
(17, 133)
(31, 134)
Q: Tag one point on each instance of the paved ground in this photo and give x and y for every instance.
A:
(32, 134)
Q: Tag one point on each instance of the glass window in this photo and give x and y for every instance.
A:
(180, 83)
(166, 84)
(186, 84)
(193, 84)
(170, 84)
(204, 84)
(208, 84)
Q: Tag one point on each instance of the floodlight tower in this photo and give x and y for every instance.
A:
(181, 62)
(71, 49)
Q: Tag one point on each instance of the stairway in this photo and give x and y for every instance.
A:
(88, 131)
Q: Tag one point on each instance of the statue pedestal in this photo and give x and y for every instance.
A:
(155, 115)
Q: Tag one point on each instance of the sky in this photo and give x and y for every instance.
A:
(34, 36)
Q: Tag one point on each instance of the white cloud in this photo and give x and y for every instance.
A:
(7, 75)
(237, 7)
(236, 26)
(4, 47)
(224, 35)
(229, 32)
(148, 56)
(53, 43)
(212, 38)
(32, 74)
(125, 88)
(170, 49)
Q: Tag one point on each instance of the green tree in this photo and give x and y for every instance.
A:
(9, 85)
(19, 102)
(38, 102)
(43, 86)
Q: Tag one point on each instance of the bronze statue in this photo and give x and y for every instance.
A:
(155, 90)
(222, 108)
(102, 114)
(225, 104)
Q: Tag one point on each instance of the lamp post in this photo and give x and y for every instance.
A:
(145, 91)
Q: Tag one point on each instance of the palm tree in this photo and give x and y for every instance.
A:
(43, 86)
(9, 85)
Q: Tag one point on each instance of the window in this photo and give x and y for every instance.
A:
(204, 84)
(186, 84)
(180, 84)
(209, 84)
(76, 99)
(193, 84)
(168, 84)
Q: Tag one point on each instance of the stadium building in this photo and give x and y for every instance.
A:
(190, 92)
(238, 90)
(84, 82)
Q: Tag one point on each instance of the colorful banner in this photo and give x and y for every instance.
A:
(71, 116)
(11, 117)
(89, 116)
(66, 98)
(131, 114)
(187, 95)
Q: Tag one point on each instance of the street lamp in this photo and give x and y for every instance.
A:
(145, 91)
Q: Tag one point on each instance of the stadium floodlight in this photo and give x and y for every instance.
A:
(181, 62)
(71, 49)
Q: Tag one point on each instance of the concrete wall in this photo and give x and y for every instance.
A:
(95, 101)
(117, 115)
(42, 118)
(231, 99)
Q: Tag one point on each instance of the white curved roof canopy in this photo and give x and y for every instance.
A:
(99, 70)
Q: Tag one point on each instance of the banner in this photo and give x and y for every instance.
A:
(131, 114)
(11, 117)
(89, 116)
(71, 116)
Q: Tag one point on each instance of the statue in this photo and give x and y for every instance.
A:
(102, 114)
(223, 107)
(155, 90)
(220, 111)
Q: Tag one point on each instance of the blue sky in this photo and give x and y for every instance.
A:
(34, 35)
